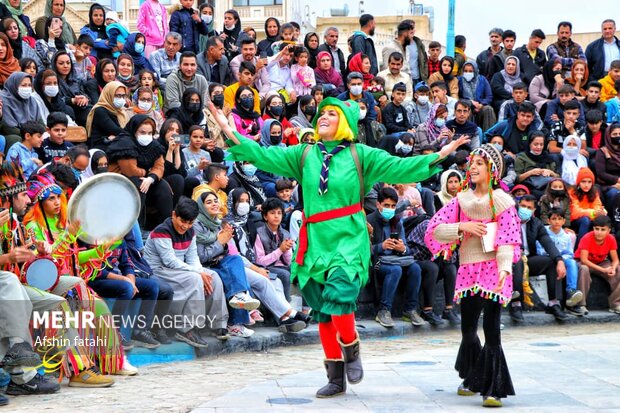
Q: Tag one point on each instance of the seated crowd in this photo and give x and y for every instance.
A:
(215, 239)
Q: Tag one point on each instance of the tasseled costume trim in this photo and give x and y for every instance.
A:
(484, 293)
(66, 250)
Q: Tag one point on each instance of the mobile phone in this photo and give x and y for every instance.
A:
(183, 139)
(395, 235)
(263, 55)
(177, 138)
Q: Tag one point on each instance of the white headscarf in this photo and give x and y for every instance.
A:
(571, 162)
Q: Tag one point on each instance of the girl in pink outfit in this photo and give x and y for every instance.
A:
(153, 23)
(301, 73)
(484, 278)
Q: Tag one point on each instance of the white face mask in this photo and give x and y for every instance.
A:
(144, 140)
(468, 76)
(145, 106)
(422, 100)
(119, 102)
(230, 28)
(243, 208)
(356, 90)
(24, 92)
(363, 114)
(51, 90)
(207, 19)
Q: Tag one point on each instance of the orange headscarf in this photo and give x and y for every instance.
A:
(9, 64)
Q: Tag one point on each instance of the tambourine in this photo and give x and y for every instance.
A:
(107, 206)
(42, 273)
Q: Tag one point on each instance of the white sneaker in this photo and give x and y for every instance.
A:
(128, 369)
(243, 301)
(239, 330)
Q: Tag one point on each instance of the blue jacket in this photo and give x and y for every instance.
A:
(613, 110)
(100, 44)
(554, 107)
(484, 95)
(505, 128)
(370, 102)
(181, 22)
(596, 58)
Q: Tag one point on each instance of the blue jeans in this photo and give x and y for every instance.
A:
(581, 226)
(232, 272)
(391, 275)
(572, 272)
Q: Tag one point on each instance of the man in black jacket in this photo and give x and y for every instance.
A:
(552, 265)
(213, 63)
(598, 59)
(531, 67)
(495, 38)
(361, 42)
(331, 46)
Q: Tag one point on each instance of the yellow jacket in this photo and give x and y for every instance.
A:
(608, 91)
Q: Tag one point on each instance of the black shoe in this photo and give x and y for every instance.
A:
(301, 316)
(556, 311)
(162, 336)
(144, 338)
(516, 313)
(432, 318)
(291, 325)
(38, 385)
(222, 334)
(337, 384)
(452, 317)
(192, 337)
(20, 354)
(3, 400)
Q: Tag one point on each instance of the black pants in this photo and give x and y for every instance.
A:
(156, 204)
(485, 370)
(177, 185)
(433, 271)
(538, 265)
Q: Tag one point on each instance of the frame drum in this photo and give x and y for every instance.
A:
(42, 273)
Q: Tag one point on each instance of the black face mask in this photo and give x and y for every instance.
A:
(218, 101)
(558, 193)
(276, 110)
(247, 103)
(615, 141)
(310, 110)
(275, 139)
(193, 107)
(101, 170)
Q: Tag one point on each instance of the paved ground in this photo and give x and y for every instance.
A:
(571, 368)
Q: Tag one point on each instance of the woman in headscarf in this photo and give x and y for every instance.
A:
(239, 206)
(153, 22)
(56, 8)
(433, 131)
(306, 109)
(535, 167)
(110, 115)
(105, 72)
(361, 63)
(96, 30)
(450, 185)
(572, 160)
(190, 112)
(327, 76)
(46, 85)
(125, 72)
(274, 109)
(70, 87)
(51, 42)
(21, 48)
(14, 7)
(8, 63)
(98, 164)
(272, 30)
(607, 166)
(232, 30)
(207, 11)
(446, 67)
(544, 86)
(134, 47)
(477, 89)
(18, 105)
(503, 81)
(311, 42)
(143, 103)
(578, 78)
(243, 117)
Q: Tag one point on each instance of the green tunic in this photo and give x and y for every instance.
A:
(341, 242)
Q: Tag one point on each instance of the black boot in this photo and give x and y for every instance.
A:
(352, 360)
(337, 384)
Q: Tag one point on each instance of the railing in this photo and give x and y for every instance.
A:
(267, 11)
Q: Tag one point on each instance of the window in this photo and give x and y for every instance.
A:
(256, 2)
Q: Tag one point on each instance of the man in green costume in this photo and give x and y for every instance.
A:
(333, 256)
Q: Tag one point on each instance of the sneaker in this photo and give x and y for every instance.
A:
(556, 311)
(162, 336)
(192, 337)
(38, 385)
(384, 317)
(516, 313)
(464, 390)
(432, 318)
(128, 369)
(127, 344)
(573, 297)
(20, 354)
(578, 310)
(515, 295)
(244, 301)
(490, 401)
(239, 330)
(257, 316)
(301, 316)
(291, 325)
(222, 334)
(452, 317)
(414, 318)
(585, 310)
(615, 310)
(90, 378)
(144, 338)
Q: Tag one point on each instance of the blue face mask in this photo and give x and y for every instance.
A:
(440, 122)
(525, 214)
(139, 47)
(388, 213)
(499, 147)
(249, 169)
(572, 151)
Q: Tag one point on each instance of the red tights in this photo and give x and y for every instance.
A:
(344, 326)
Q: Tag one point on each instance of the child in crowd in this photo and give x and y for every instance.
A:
(594, 131)
(585, 203)
(147, 78)
(54, 146)
(556, 196)
(519, 191)
(84, 67)
(394, 115)
(186, 21)
(306, 135)
(572, 159)
(25, 152)
(598, 254)
(419, 109)
(196, 158)
(317, 93)
(302, 74)
(566, 246)
(609, 81)
(284, 190)
(376, 87)
(117, 32)
(613, 105)
(273, 246)
(216, 178)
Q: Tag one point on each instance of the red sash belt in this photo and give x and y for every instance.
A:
(320, 217)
